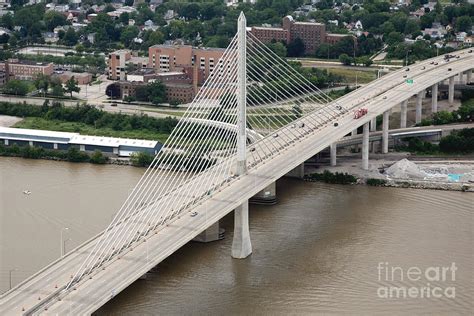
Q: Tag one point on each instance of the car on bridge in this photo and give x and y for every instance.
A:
(360, 112)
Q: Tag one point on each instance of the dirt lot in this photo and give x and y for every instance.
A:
(7, 121)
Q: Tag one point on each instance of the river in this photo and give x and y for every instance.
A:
(321, 249)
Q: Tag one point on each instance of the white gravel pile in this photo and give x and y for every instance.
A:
(405, 169)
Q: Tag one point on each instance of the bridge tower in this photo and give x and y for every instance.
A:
(241, 245)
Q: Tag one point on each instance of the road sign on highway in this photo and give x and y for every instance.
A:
(409, 81)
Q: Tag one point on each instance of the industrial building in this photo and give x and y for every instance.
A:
(112, 146)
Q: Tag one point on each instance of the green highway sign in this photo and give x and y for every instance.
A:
(409, 81)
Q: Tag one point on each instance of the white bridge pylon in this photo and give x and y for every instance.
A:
(250, 88)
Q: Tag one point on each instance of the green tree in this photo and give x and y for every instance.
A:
(156, 92)
(128, 34)
(56, 87)
(141, 159)
(98, 157)
(42, 83)
(463, 24)
(142, 93)
(71, 86)
(394, 38)
(345, 59)
(16, 87)
(53, 19)
(70, 37)
(278, 48)
(296, 48)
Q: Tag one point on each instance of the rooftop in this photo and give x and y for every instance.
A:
(73, 138)
(308, 23)
(268, 28)
(14, 61)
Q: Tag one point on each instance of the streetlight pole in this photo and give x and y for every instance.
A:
(10, 273)
(62, 242)
(406, 58)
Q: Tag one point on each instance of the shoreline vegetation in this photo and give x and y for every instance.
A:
(88, 120)
(345, 179)
(73, 154)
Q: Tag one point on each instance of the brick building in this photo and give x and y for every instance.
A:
(312, 34)
(268, 34)
(118, 61)
(25, 69)
(82, 78)
(167, 58)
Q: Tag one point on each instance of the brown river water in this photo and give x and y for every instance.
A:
(322, 249)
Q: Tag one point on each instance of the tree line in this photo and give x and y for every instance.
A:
(90, 115)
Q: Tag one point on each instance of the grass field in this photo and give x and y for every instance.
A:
(350, 74)
(75, 127)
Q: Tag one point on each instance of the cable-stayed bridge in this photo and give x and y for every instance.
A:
(254, 120)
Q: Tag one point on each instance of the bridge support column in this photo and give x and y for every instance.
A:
(267, 196)
(419, 104)
(403, 114)
(386, 116)
(212, 233)
(333, 149)
(461, 76)
(354, 132)
(241, 245)
(451, 91)
(373, 124)
(365, 147)
(434, 98)
(469, 76)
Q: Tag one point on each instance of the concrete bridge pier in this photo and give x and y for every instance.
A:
(403, 114)
(267, 196)
(419, 104)
(212, 233)
(298, 172)
(333, 150)
(461, 77)
(241, 245)
(451, 91)
(468, 76)
(373, 124)
(386, 117)
(434, 98)
(365, 146)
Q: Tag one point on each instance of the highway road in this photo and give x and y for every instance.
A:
(40, 292)
(414, 131)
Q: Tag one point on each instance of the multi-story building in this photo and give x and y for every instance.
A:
(311, 34)
(3, 78)
(167, 58)
(269, 34)
(25, 69)
(118, 62)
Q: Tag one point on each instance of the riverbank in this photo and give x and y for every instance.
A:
(455, 173)
(88, 120)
